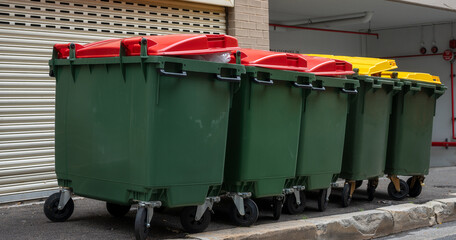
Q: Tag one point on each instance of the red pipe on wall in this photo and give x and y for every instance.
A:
(452, 100)
(322, 29)
(444, 144)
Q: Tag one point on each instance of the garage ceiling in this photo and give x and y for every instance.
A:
(387, 14)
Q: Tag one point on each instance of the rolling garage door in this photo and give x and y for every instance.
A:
(28, 30)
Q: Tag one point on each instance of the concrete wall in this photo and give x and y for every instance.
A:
(392, 42)
(309, 41)
(248, 22)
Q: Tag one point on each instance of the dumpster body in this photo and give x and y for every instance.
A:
(367, 125)
(410, 134)
(142, 129)
(264, 125)
(322, 132)
(367, 134)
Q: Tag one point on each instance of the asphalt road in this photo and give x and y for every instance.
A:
(90, 219)
(446, 231)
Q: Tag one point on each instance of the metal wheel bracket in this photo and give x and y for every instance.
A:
(420, 179)
(296, 190)
(238, 199)
(150, 209)
(373, 182)
(396, 182)
(352, 187)
(328, 192)
(65, 196)
(280, 197)
(208, 204)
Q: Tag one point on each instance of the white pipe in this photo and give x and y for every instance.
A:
(345, 19)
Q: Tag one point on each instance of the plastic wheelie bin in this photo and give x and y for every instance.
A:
(322, 131)
(135, 126)
(410, 132)
(367, 134)
(368, 124)
(263, 132)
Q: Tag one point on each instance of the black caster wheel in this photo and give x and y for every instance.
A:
(370, 193)
(277, 205)
(322, 200)
(291, 206)
(415, 190)
(346, 198)
(141, 229)
(117, 210)
(398, 195)
(190, 225)
(250, 216)
(358, 184)
(51, 208)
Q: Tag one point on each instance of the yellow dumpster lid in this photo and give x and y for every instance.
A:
(422, 77)
(366, 66)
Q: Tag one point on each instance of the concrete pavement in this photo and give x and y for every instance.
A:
(90, 219)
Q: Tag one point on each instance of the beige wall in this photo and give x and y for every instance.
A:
(248, 22)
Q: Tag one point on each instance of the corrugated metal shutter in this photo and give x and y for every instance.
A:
(28, 30)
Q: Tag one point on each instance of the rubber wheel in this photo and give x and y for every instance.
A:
(117, 210)
(141, 229)
(250, 216)
(414, 191)
(358, 184)
(322, 202)
(292, 207)
(346, 199)
(398, 195)
(51, 208)
(277, 205)
(190, 225)
(370, 193)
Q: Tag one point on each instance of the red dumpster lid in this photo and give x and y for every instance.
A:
(179, 44)
(327, 66)
(273, 60)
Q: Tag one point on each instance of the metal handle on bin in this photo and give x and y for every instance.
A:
(415, 88)
(306, 86)
(229, 79)
(354, 91)
(181, 74)
(319, 88)
(270, 82)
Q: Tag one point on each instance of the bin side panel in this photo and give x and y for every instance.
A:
(410, 133)
(367, 134)
(160, 138)
(263, 136)
(189, 129)
(322, 135)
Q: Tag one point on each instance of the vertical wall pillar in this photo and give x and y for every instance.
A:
(248, 21)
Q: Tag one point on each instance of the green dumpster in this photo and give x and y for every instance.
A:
(264, 131)
(134, 126)
(367, 134)
(322, 132)
(411, 132)
(368, 124)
